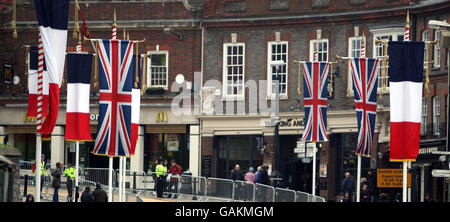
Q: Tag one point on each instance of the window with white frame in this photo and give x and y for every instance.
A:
(233, 70)
(436, 115)
(437, 49)
(322, 49)
(423, 122)
(354, 51)
(277, 62)
(425, 37)
(391, 34)
(158, 69)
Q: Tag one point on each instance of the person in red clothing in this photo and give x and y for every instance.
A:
(175, 170)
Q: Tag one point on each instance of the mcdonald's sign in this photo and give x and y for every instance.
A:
(161, 117)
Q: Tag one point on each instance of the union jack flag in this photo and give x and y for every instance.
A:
(115, 78)
(315, 78)
(365, 77)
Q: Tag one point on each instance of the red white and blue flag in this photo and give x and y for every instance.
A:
(78, 88)
(315, 78)
(405, 79)
(53, 21)
(365, 80)
(115, 78)
(33, 85)
(136, 105)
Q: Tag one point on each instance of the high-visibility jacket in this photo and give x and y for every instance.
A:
(42, 168)
(70, 172)
(161, 170)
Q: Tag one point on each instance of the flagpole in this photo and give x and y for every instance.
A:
(314, 172)
(77, 156)
(120, 178)
(37, 192)
(110, 179)
(405, 185)
(124, 159)
(358, 180)
(409, 188)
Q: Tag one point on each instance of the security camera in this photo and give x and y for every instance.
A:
(169, 31)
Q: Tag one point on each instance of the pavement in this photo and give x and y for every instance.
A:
(47, 193)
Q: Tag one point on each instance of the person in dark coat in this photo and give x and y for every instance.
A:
(372, 185)
(364, 196)
(236, 174)
(99, 194)
(348, 186)
(56, 182)
(346, 198)
(263, 178)
(87, 196)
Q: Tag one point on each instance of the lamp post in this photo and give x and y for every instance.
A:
(444, 43)
(276, 118)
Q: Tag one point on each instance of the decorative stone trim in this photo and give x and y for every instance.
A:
(278, 4)
(234, 6)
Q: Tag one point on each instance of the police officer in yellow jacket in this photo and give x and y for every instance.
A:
(161, 174)
(70, 173)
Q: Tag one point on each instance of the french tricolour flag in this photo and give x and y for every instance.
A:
(135, 105)
(78, 88)
(33, 85)
(52, 18)
(405, 76)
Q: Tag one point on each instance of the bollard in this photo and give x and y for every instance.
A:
(25, 186)
(77, 195)
(134, 182)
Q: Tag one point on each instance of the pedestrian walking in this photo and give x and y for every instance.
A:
(175, 171)
(99, 194)
(364, 196)
(56, 183)
(154, 174)
(348, 186)
(236, 174)
(346, 198)
(69, 173)
(250, 178)
(30, 198)
(372, 185)
(87, 196)
(263, 178)
(161, 171)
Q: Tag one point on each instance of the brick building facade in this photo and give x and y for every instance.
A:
(236, 40)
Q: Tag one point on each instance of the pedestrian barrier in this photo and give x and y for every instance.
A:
(284, 195)
(264, 193)
(243, 191)
(302, 197)
(140, 185)
(220, 188)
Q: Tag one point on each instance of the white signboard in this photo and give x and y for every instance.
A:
(310, 148)
(440, 173)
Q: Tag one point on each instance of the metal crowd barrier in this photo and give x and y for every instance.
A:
(220, 188)
(139, 185)
(284, 195)
(264, 193)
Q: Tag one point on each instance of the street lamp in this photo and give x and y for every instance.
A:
(444, 43)
(276, 118)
